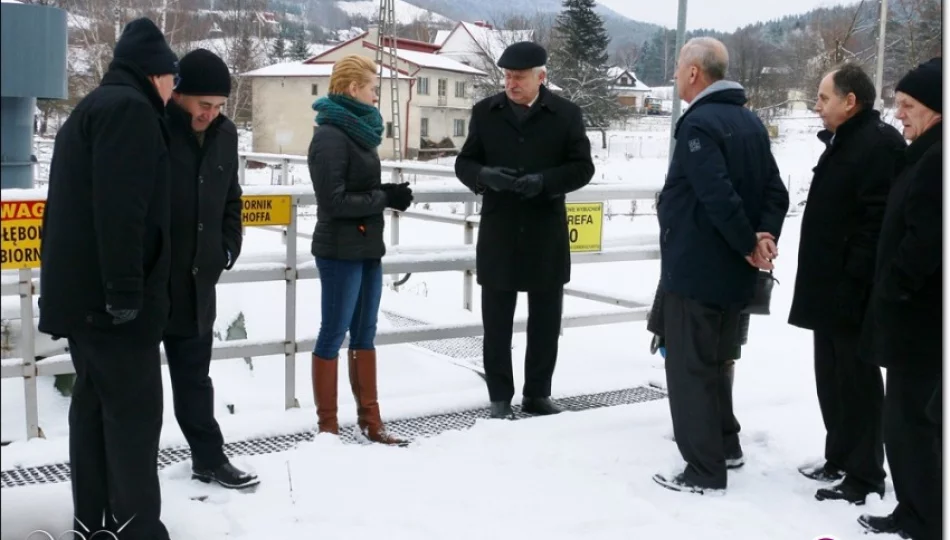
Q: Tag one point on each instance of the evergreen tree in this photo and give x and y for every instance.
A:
(279, 50)
(579, 64)
(299, 47)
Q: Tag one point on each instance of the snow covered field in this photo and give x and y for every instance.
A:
(577, 475)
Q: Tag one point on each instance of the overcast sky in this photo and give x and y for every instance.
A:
(724, 15)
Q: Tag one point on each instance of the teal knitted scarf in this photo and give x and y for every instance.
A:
(362, 122)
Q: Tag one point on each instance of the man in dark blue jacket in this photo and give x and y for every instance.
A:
(721, 212)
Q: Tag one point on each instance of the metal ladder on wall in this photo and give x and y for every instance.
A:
(387, 33)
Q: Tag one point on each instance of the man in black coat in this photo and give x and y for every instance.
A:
(206, 239)
(526, 149)
(839, 238)
(106, 254)
(721, 213)
(903, 331)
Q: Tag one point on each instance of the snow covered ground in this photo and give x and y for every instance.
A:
(576, 475)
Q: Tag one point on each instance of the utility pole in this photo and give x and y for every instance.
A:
(680, 40)
(879, 76)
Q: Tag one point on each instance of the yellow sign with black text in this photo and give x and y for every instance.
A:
(261, 210)
(22, 231)
(585, 226)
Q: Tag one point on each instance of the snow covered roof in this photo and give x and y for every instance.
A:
(441, 36)
(299, 69)
(493, 41)
(435, 61)
(616, 72)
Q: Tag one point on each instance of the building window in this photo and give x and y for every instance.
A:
(624, 81)
(459, 125)
(460, 88)
(314, 89)
(389, 130)
(423, 86)
(424, 127)
(443, 92)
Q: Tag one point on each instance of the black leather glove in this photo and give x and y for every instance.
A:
(398, 196)
(529, 185)
(497, 178)
(122, 316)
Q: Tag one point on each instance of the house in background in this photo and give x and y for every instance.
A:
(630, 91)
(435, 98)
(283, 94)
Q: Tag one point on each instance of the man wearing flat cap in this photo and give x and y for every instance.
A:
(206, 240)
(903, 331)
(526, 149)
(106, 255)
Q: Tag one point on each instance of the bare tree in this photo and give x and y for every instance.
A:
(627, 55)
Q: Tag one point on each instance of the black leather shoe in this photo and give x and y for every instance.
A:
(501, 410)
(227, 475)
(882, 525)
(540, 406)
(848, 490)
(823, 473)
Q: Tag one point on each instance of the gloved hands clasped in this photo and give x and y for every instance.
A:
(507, 179)
(398, 196)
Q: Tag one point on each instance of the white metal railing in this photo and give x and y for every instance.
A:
(289, 265)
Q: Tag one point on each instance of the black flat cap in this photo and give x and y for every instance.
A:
(523, 55)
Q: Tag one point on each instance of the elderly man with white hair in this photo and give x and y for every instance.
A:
(904, 330)
(526, 149)
(721, 212)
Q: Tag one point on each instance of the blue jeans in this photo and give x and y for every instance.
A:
(350, 301)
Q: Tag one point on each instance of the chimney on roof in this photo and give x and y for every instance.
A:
(484, 24)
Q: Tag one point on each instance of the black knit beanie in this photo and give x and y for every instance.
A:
(925, 84)
(143, 44)
(204, 73)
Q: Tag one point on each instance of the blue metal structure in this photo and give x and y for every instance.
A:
(33, 48)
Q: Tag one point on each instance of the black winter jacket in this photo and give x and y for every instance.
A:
(350, 203)
(523, 245)
(723, 187)
(842, 222)
(106, 226)
(206, 229)
(904, 325)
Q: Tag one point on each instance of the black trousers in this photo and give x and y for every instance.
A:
(544, 328)
(700, 341)
(909, 438)
(189, 364)
(115, 421)
(851, 398)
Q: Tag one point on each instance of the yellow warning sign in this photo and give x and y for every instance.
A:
(585, 226)
(22, 231)
(260, 210)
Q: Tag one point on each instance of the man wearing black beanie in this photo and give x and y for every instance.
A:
(104, 277)
(904, 330)
(206, 238)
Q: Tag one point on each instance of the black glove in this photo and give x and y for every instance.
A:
(398, 196)
(122, 316)
(529, 186)
(497, 178)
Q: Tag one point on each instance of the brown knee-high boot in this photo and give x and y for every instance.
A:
(362, 364)
(324, 374)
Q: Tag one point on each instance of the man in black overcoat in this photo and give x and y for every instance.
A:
(526, 149)
(106, 253)
(839, 236)
(206, 239)
(903, 330)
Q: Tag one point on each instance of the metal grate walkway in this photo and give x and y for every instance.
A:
(412, 428)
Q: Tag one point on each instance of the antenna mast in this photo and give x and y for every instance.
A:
(386, 46)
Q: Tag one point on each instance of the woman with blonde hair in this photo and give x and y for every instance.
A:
(348, 240)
